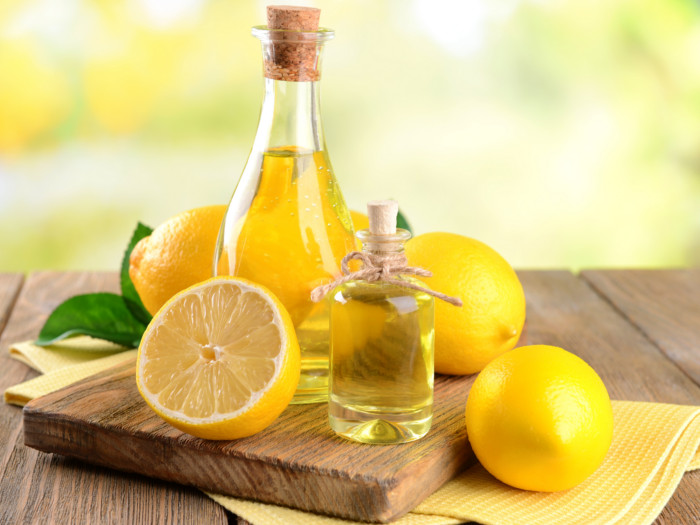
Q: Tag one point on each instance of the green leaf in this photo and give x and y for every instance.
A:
(131, 296)
(401, 222)
(101, 315)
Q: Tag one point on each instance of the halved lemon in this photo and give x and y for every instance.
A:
(220, 360)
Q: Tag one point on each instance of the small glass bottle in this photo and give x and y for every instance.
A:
(382, 341)
(287, 226)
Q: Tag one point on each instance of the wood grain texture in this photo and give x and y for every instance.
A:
(663, 304)
(564, 311)
(10, 285)
(298, 461)
(38, 487)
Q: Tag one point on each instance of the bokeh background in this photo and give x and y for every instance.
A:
(563, 133)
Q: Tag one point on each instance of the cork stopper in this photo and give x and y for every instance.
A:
(382, 217)
(293, 18)
(294, 56)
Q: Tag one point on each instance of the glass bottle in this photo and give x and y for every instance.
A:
(382, 341)
(287, 226)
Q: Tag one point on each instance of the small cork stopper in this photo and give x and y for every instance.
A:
(293, 61)
(382, 217)
(293, 18)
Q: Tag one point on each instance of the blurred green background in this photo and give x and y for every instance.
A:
(563, 133)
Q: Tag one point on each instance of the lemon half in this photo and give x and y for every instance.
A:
(220, 360)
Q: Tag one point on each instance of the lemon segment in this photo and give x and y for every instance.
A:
(220, 360)
(360, 221)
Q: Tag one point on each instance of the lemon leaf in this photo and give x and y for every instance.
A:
(129, 293)
(402, 222)
(101, 315)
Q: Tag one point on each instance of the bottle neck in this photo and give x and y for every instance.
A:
(383, 244)
(290, 116)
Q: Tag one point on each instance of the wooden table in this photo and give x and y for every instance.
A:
(639, 329)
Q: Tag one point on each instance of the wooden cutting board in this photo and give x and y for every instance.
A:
(298, 461)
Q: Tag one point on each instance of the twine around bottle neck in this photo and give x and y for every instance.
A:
(384, 267)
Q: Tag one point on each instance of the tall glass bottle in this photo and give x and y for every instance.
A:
(287, 226)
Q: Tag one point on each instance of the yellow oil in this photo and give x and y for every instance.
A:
(291, 239)
(381, 374)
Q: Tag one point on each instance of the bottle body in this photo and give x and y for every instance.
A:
(287, 226)
(381, 371)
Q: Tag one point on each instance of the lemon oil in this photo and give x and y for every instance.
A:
(287, 226)
(382, 344)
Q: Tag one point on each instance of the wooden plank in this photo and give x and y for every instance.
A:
(10, 285)
(663, 304)
(39, 487)
(564, 311)
(298, 461)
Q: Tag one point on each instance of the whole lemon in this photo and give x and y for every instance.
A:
(539, 418)
(360, 221)
(178, 254)
(492, 317)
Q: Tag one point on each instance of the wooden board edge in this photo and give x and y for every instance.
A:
(49, 431)
(65, 432)
(387, 504)
(439, 471)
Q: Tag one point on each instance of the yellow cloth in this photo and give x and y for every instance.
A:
(63, 353)
(61, 374)
(653, 445)
(264, 514)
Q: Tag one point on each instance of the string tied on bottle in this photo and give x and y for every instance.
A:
(385, 267)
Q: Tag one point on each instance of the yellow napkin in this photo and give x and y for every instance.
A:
(72, 351)
(62, 364)
(653, 445)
